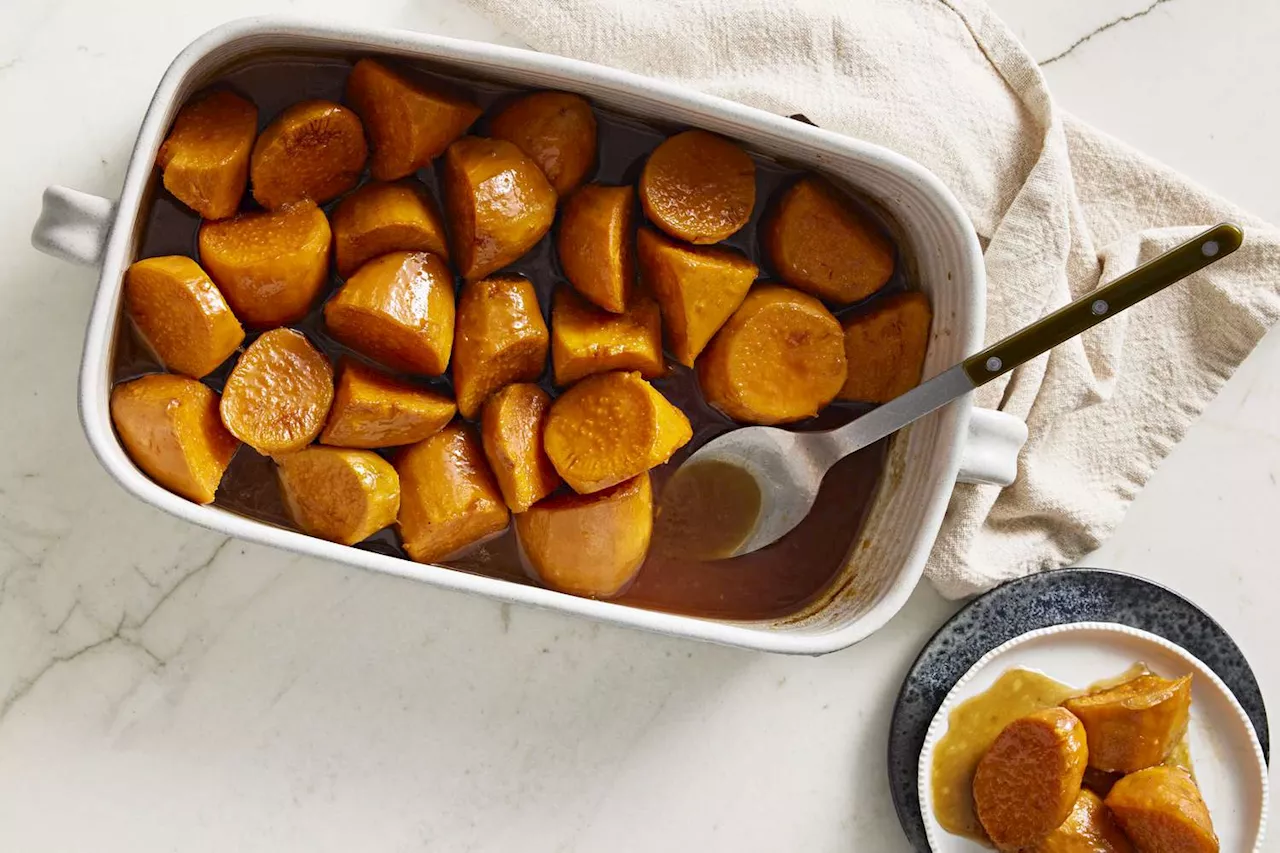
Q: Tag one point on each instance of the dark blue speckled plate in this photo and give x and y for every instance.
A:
(1039, 601)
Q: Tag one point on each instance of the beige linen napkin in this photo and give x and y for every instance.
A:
(1060, 208)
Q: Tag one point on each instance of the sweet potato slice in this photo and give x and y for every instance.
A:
(409, 122)
(589, 545)
(609, 428)
(1089, 828)
(205, 158)
(270, 266)
(170, 428)
(314, 150)
(341, 495)
(398, 309)
(371, 409)
(278, 394)
(780, 358)
(1161, 811)
(181, 314)
(498, 202)
(448, 498)
(885, 348)
(380, 218)
(558, 132)
(511, 431)
(586, 339)
(698, 287)
(595, 244)
(501, 339)
(819, 242)
(1135, 724)
(698, 187)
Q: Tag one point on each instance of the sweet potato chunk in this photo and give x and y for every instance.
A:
(587, 340)
(314, 151)
(609, 428)
(558, 132)
(698, 287)
(511, 431)
(1161, 811)
(341, 495)
(1028, 780)
(448, 499)
(1089, 828)
(205, 158)
(180, 314)
(595, 244)
(698, 187)
(409, 122)
(278, 394)
(780, 358)
(371, 409)
(499, 204)
(501, 339)
(269, 266)
(819, 242)
(380, 218)
(170, 428)
(1135, 724)
(398, 309)
(885, 348)
(589, 545)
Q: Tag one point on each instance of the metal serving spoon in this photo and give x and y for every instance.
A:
(746, 489)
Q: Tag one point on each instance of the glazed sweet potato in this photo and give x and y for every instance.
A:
(409, 122)
(371, 409)
(181, 315)
(779, 359)
(380, 218)
(589, 545)
(1161, 811)
(698, 187)
(1090, 828)
(499, 204)
(819, 242)
(885, 348)
(314, 151)
(698, 287)
(398, 309)
(341, 495)
(501, 338)
(586, 339)
(609, 428)
(270, 266)
(1135, 724)
(556, 130)
(448, 498)
(278, 394)
(595, 243)
(170, 428)
(511, 431)
(205, 158)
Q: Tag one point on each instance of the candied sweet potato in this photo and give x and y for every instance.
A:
(498, 201)
(205, 158)
(511, 431)
(698, 287)
(558, 132)
(698, 187)
(398, 309)
(589, 545)
(270, 266)
(1089, 828)
(780, 358)
(371, 409)
(595, 244)
(1135, 724)
(341, 495)
(819, 242)
(181, 314)
(885, 348)
(278, 394)
(380, 218)
(586, 339)
(609, 428)
(170, 428)
(1161, 810)
(409, 122)
(501, 338)
(448, 498)
(314, 150)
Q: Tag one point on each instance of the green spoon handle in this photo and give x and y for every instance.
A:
(1088, 311)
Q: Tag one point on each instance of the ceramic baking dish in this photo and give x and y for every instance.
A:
(936, 237)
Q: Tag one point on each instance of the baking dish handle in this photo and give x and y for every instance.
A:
(990, 455)
(73, 225)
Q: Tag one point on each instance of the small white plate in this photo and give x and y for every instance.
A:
(1224, 748)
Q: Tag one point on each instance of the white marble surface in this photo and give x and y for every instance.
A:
(164, 689)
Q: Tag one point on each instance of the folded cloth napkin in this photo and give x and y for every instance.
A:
(1060, 208)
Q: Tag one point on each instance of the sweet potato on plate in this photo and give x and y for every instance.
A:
(885, 347)
(511, 432)
(1135, 724)
(586, 339)
(1161, 810)
(314, 150)
(371, 409)
(180, 314)
(341, 495)
(1090, 828)
(698, 187)
(596, 244)
(501, 338)
(380, 218)
(278, 394)
(205, 157)
(558, 132)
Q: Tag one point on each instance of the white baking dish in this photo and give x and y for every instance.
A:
(937, 238)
